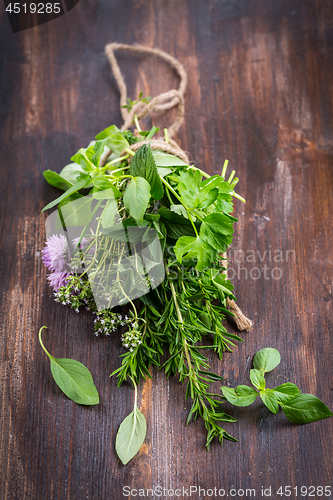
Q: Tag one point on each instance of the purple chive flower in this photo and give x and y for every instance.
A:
(56, 254)
(57, 280)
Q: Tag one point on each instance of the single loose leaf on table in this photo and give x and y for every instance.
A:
(73, 378)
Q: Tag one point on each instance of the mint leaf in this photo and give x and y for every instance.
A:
(269, 399)
(267, 359)
(258, 379)
(143, 165)
(242, 395)
(136, 197)
(305, 408)
(286, 392)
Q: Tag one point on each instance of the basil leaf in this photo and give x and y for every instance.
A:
(73, 189)
(83, 159)
(131, 435)
(75, 210)
(269, 399)
(305, 408)
(166, 160)
(136, 197)
(109, 212)
(115, 139)
(195, 248)
(286, 392)
(71, 172)
(56, 180)
(143, 165)
(258, 379)
(267, 359)
(73, 378)
(242, 395)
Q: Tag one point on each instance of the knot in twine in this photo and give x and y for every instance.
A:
(164, 101)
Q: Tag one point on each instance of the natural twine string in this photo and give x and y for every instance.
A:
(164, 101)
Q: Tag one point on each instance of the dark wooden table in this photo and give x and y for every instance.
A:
(260, 94)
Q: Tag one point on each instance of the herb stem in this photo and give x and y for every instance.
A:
(41, 342)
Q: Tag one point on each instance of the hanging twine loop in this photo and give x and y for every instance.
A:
(164, 101)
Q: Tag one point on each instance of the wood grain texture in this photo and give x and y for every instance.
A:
(260, 94)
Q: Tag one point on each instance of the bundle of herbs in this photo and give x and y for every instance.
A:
(179, 209)
(139, 228)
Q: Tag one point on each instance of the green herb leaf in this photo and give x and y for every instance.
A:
(73, 189)
(75, 210)
(193, 193)
(305, 408)
(131, 435)
(116, 140)
(217, 229)
(176, 224)
(143, 165)
(136, 197)
(109, 212)
(71, 172)
(73, 378)
(258, 379)
(166, 160)
(242, 395)
(267, 359)
(56, 180)
(286, 392)
(195, 248)
(269, 399)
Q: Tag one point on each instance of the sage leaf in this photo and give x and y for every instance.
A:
(266, 359)
(131, 435)
(269, 399)
(258, 379)
(73, 378)
(242, 395)
(305, 408)
(136, 197)
(286, 392)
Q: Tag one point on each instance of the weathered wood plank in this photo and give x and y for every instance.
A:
(259, 94)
